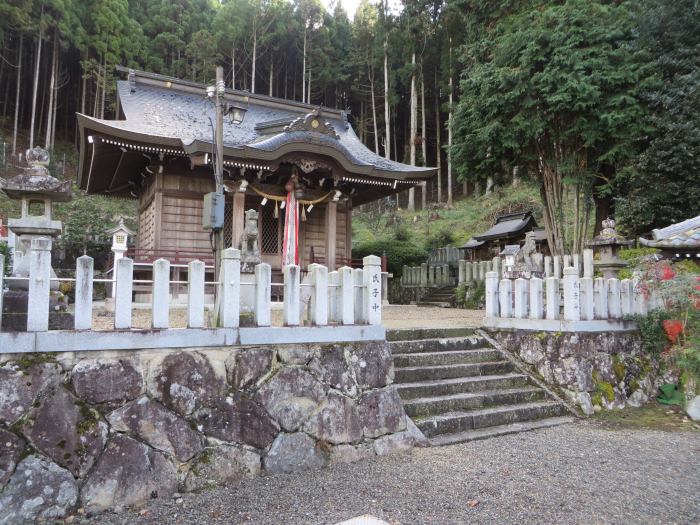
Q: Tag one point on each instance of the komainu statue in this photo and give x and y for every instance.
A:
(523, 259)
(250, 245)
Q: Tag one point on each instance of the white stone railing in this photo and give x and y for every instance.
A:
(344, 305)
(426, 276)
(574, 304)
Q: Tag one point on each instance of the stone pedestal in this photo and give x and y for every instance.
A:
(247, 292)
(14, 312)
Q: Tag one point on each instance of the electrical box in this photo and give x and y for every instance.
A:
(213, 211)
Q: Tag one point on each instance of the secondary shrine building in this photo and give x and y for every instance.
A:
(159, 151)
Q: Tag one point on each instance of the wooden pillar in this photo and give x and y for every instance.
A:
(331, 228)
(238, 218)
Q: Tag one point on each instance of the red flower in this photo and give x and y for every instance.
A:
(673, 328)
(667, 273)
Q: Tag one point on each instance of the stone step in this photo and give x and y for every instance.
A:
(435, 304)
(429, 406)
(424, 373)
(446, 387)
(449, 357)
(427, 333)
(437, 344)
(461, 421)
(500, 430)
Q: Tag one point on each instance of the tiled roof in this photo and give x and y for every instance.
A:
(684, 234)
(507, 226)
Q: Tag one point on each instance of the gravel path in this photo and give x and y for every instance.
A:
(394, 316)
(578, 473)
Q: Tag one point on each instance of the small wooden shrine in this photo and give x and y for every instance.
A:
(302, 168)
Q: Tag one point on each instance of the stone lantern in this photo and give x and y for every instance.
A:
(120, 238)
(37, 190)
(607, 245)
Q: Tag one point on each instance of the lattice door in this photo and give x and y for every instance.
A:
(270, 234)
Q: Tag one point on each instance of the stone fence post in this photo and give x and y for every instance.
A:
(292, 295)
(195, 294)
(614, 305)
(84, 273)
(230, 277)
(586, 298)
(600, 298)
(346, 296)
(552, 291)
(536, 299)
(505, 297)
(522, 299)
(160, 294)
(373, 289)
(491, 294)
(261, 303)
(572, 307)
(358, 281)
(39, 285)
(319, 296)
(124, 274)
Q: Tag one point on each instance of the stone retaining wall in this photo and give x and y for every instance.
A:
(595, 370)
(108, 430)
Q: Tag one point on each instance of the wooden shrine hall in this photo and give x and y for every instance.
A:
(159, 151)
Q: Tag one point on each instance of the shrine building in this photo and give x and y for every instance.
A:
(159, 151)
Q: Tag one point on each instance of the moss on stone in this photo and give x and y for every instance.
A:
(619, 368)
(27, 361)
(88, 418)
(597, 399)
(603, 389)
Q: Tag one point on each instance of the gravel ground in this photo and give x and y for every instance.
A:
(578, 473)
(394, 316)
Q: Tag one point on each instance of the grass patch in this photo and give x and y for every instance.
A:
(652, 416)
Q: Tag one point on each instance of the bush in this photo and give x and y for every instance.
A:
(440, 239)
(398, 253)
(471, 296)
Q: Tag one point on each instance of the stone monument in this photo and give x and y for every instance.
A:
(607, 245)
(250, 256)
(37, 190)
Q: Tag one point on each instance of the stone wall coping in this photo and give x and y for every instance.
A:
(174, 338)
(554, 325)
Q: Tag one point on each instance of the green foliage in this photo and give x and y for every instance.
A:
(651, 331)
(554, 90)
(669, 394)
(398, 253)
(471, 295)
(662, 186)
(7, 254)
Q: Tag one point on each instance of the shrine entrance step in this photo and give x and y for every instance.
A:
(442, 297)
(456, 387)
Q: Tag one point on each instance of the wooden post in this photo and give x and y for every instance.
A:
(124, 274)
(160, 296)
(84, 272)
(195, 294)
(292, 290)
(238, 218)
(331, 227)
(231, 288)
(39, 285)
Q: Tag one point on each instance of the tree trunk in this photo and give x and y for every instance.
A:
(19, 82)
(370, 75)
(303, 68)
(449, 136)
(35, 89)
(414, 130)
(272, 70)
(55, 99)
(423, 135)
(233, 67)
(104, 87)
(255, 50)
(387, 119)
(52, 87)
(308, 90)
(438, 153)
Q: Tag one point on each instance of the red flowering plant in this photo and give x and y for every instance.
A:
(674, 326)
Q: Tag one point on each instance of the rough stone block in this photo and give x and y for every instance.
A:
(336, 422)
(19, 387)
(351, 453)
(373, 365)
(186, 381)
(292, 453)
(38, 491)
(221, 465)
(66, 430)
(393, 443)
(128, 473)
(238, 419)
(246, 366)
(331, 368)
(11, 447)
(291, 396)
(153, 423)
(107, 380)
(381, 412)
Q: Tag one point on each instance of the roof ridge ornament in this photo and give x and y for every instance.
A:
(312, 122)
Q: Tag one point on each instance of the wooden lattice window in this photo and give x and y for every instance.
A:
(269, 230)
(228, 226)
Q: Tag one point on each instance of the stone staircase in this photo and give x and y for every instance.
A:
(443, 297)
(457, 388)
